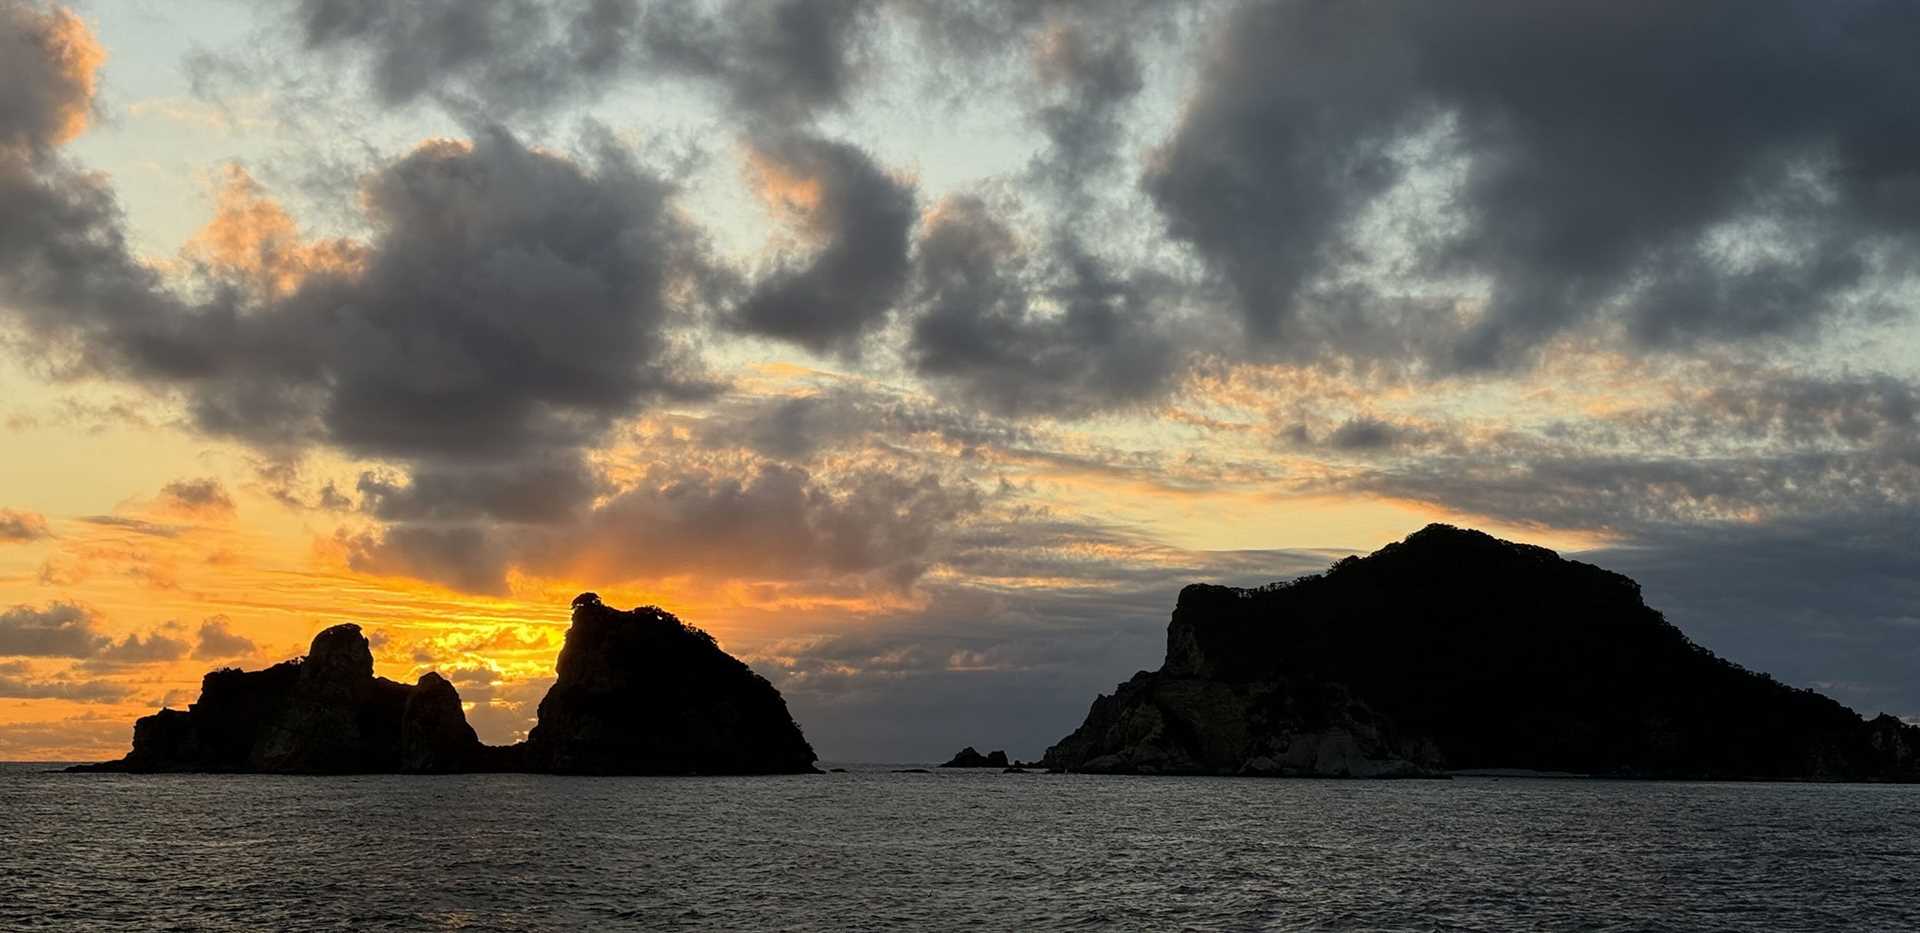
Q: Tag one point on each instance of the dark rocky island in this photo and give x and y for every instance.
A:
(643, 693)
(1454, 650)
(637, 693)
(969, 758)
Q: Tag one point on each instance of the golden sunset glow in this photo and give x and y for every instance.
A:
(921, 362)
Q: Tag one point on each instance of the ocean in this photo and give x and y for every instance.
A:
(874, 850)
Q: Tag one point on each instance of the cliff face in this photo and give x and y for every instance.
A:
(643, 693)
(1453, 649)
(323, 714)
(638, 693)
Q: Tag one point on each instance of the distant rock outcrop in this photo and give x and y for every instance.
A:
(968, 758)
(638, 693)
(322, 714)
(643, 693)
(1456, 650)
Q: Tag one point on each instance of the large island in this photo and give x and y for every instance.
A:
(1454, 650)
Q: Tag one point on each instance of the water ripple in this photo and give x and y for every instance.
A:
(873, 850)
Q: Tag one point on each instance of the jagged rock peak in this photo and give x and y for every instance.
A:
(340, 653)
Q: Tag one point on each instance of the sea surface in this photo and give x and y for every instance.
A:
(873, 850)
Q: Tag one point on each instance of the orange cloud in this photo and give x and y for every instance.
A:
(252, 238)
(77, 57)
(789, 190)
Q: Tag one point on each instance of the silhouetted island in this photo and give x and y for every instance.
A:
(969, 758)
(1454, 650)
(637, 693)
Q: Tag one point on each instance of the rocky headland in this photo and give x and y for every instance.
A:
(1454, 650)
(637, 692)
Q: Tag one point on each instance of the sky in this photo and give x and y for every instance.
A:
(921, 350)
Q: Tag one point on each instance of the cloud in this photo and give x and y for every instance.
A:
(509, 300)
(216, 639)
(782, 60)
(502, 710)
(1364, 434)
(470, 558)
(538, 490)
(858, 221)
(18, 682)
(773, 523)
(1093, 72)
(1746, 445)
(1018, 333)
(849, 415)
(61, 630)
(138, 526)
(201, 498)
(1401, 180)
(135, 649)
(49, 65)
(20, 527)
(67, 630)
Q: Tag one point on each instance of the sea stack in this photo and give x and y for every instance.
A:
(641, 692)
(1456, 650)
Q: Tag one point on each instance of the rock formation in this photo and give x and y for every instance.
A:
(322, 714)
(1456, 650)
(643, 693)
(638, 693)
(968, 758)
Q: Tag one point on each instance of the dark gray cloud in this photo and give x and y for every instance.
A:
(510, 300)
(774, 522)
(535, 491)
(505, 50)
(859, 221)
(1687, 171)
(61, 630)
(138, 649)
(470, 558)
(1091, 72)
(1751, 445)
(67, 630)
(19, 682)
(781, 61)
(1364, 434)
(795, 429)
(216, 640)
(1019, 333)
(513, 300)
(20, 527)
